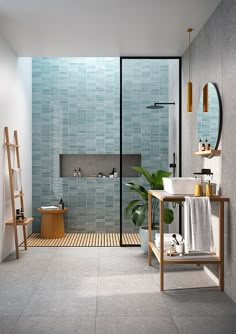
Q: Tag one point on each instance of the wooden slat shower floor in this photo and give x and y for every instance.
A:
(84, 240)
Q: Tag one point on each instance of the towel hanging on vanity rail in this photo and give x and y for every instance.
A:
(197, 224)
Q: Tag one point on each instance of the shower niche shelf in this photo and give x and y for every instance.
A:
(207, 153)
(92, 164)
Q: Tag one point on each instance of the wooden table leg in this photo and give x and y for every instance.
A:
(221, 245)
(149, 228)
(25, 237)
(161, 246)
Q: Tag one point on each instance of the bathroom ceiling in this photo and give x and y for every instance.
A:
(102, 27)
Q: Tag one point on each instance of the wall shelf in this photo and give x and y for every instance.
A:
(207, 153)
(92, 164)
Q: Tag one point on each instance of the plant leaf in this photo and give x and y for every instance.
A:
(168, 216)
(144, 172)
(130, 205)
(158, 182)
(138, 214)
(138, 189)
(139, 210)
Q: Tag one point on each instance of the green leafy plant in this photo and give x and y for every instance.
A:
(139, 206)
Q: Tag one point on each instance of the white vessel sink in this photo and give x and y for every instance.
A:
(180, 185)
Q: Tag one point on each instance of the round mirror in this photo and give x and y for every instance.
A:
(209, 118)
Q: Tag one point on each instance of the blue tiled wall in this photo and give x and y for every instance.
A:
(76, 110)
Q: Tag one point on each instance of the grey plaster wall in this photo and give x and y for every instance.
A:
(213, 55)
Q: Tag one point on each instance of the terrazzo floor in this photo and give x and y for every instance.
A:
(107, 290)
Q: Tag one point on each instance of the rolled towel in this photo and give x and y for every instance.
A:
(17, 179)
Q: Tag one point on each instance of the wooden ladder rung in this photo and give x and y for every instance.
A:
(18, 195)
(24, 222)
(12, 145)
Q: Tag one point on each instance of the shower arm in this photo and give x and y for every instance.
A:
(165, 103)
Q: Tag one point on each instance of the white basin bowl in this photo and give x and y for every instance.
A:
(180, 185)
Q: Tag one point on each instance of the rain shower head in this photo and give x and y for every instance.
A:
(159, 105)
(155, 106)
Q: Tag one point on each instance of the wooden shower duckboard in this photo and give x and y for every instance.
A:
(84, 240)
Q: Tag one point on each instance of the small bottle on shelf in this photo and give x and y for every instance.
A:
(115, 173)
(18, 214)
(75, 173)
(111, 175)
(200, 145)
(61, 204)
(79, 174)
(22, 213)
(203, 147)
(207, 145)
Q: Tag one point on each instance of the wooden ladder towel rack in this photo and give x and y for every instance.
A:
(15, 222)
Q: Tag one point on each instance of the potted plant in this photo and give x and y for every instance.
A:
(139, 206)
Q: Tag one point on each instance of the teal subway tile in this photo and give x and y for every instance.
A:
(76, 106)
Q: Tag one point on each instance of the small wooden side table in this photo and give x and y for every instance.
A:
(52, 226)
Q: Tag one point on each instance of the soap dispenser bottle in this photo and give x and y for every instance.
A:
(75, 173)
(209, 189)
(198, 188)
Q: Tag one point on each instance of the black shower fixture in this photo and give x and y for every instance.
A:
(159, 105)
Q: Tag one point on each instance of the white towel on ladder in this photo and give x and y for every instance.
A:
(197, 224)
(17, 179)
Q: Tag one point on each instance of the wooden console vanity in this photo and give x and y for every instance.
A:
(191, 258)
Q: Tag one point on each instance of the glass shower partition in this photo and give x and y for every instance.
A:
(90, 113)
(151, 133)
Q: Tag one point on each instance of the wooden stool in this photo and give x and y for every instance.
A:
(52, 226)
